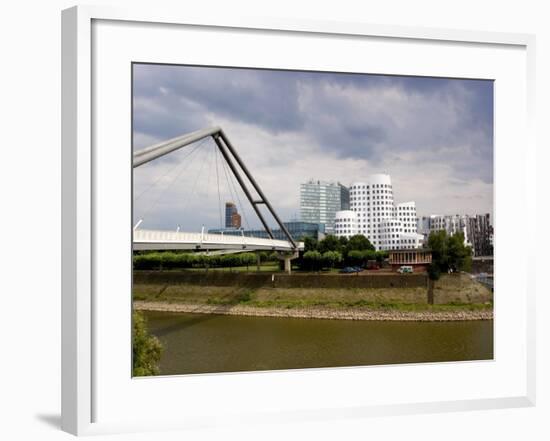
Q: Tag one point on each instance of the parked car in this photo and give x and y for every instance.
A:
(351, 269)
(405, 269)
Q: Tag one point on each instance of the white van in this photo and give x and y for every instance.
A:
(405, 269)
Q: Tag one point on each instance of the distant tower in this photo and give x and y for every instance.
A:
(232, 216)
(236, 220)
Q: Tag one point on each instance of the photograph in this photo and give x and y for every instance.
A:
(288, 219)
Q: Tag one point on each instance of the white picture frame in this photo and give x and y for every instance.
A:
(85, 371)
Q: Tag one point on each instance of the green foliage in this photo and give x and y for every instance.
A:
(437, 242)
(310, 244)
(172, 260)
(355, 251)
(266, 256)
(355, 258)
(448, 253)
(312, 260)
(331, 258)
(370, 255)
(359, 242)
(343, 246)
(380, 256)
(146, 349)
(248, 259)
(329, 243)
(243, 297)
(361, 257)
(433, 271)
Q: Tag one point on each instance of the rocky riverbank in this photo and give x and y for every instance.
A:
(356, 313)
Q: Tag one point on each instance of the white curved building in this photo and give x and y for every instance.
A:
(387, 226)
(345, 223)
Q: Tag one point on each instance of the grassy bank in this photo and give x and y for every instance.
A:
(382, 300)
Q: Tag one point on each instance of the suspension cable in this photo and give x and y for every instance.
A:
(211, 153)
(230, 183)
(157, 181)
(216, 154)
(184, 165)
(190, 195)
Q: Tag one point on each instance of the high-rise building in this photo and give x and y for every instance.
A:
(386, 225)
(344, 197)
(477, 229)
(232, 216)
(452, 224)
(480, 232)
(320, 200)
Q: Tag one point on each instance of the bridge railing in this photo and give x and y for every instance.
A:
(158, 236)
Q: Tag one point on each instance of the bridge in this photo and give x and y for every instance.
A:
(144, 239)
(177, 240)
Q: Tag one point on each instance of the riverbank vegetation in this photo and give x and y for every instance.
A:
(146, 349)
(337, 252)
(330, 253)
(166, 260)
(449, 254)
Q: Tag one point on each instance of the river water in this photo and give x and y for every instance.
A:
(201, 343)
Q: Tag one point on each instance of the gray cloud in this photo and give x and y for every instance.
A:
(434, 136)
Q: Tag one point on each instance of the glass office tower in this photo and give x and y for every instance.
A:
(320, 200)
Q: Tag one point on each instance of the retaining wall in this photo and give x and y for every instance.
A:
(258, 280)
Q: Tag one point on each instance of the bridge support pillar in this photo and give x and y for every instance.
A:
(258, 261)
(288, 257)
(288, 265)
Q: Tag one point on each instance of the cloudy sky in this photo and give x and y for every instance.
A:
(433, 136)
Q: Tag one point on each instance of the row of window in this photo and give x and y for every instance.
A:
(392, 238)
(357, 186)
(356, 192)
(400, 241)
(356, 198)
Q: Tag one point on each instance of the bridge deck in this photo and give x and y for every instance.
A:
(172, 240)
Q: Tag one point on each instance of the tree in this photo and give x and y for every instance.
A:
(459, 256)
(146, 349)
(230, 260)
(433, 271)
(359, 242)
(310, 244)
(312, 260)
(343, 242)
(380, 256)
(329, 243)
(248, 259)
(448, 253)
(437, 242)
(355, 257)
(330, 258)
